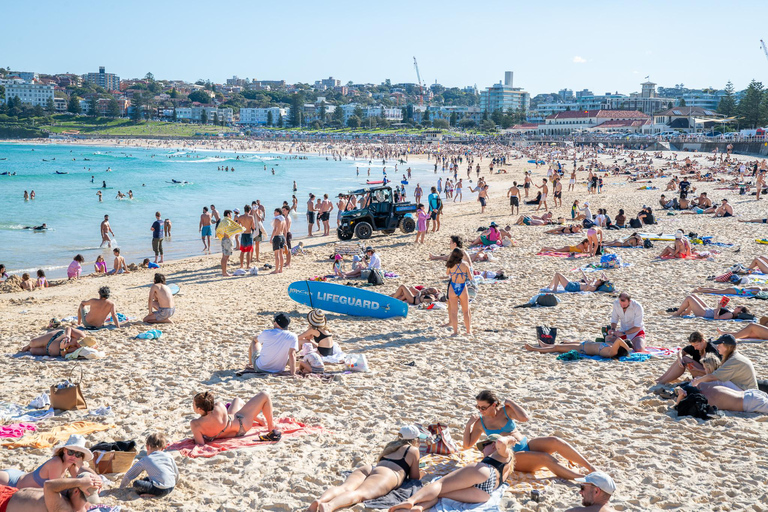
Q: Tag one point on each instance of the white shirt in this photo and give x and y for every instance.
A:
(275, 347)
(374, 262)
(587, 213)
(632, 317)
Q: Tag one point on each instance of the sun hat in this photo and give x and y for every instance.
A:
(488, 440)
(93, 498)
(237, 211)
(88, 341)
(411, 432)
(316, 318)
(725, 339)
(356, 258)
(338, 257)
(600, 480)
(282, 320)
(76, 443)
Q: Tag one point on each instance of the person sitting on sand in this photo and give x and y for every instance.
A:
(634, 240)
(119, 266)
(58, 343)
(584, 285)
(596, 491)
(498, 418)
(693, 305)
(726, 398)
(680, 249)
(69, 457)
(565, 230)
(57, 495)
(273, 349)
(736, 370)
(689, 358)
(219, 422)
(746, 291)
(582, 247)
(615, 350)
(318, 335)
(160, 304)
(414, 296)
(27, 284)
(473, 483)
(92, 313)
(374, 261)
(533, 220)
(162, 473)
(398, 462)
(724, 210)
(627, 314)
(491, 236)
(100, 266)
(760, 263)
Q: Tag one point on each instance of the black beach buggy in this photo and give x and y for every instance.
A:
(377, 212)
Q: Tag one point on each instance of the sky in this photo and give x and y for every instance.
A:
(603, 46)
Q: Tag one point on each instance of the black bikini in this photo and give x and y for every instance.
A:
(324, 351)
(401, 462)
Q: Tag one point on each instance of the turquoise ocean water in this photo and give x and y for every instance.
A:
(68, 204)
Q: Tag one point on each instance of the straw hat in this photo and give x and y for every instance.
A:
(316, 318)
(76, 443)
(88, 341)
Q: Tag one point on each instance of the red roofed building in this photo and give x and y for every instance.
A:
(564, 123)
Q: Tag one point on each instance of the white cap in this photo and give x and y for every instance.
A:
(679, 234)
(586, 203)
(410, 432)
(601, 480)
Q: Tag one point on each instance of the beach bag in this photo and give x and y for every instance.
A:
(356, 363)
(68, 396)
(724, 278)
(376, 277)
(438, 442)
(635, 223)
(647, 244)
(112, 462)
(610, 261)
(546, 334)
(547, 299)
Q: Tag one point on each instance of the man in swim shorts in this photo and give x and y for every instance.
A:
(514, 198)
(205, 229)
(311, 213)
(246, 239)
(226, 248)
(98, 311)
(278, 240)
(161, 307)
(58, 494)
(286, 210)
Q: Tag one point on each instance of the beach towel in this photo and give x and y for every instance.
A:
(560, 289)
(288, 426)
(492, 505)
(228, 227)
(14, 413)
(703, 255)
(396, 496)
(57, 435)
(563, 254)
(718, 320)
(85, 353)
(16, 429)
(661, 351)
(324, 377)
(575, 355)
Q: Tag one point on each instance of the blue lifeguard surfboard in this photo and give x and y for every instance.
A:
(346, 300)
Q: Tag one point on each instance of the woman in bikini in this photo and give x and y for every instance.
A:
(585, 285)
(318, 335)
(218, 422)
(398, 462)
(414, 296)
(580, 248)
(498, 418)
(565, 230)
(634, 240)
(56, 343)
(760, 263)
(612, 350)
(595, 238)
(459, 273)
(471, 484)
(693, 305)
(69, 457)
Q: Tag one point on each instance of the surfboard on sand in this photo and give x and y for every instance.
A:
(346, 300)
(174, 288)
(658, 236)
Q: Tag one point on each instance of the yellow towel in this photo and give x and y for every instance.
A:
(57, 435)
(228, 227)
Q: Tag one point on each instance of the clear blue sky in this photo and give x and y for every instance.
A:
(599, 45)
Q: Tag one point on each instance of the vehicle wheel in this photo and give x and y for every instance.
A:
(363, 230)
(407, 225)
(389, 231)
(344, 234)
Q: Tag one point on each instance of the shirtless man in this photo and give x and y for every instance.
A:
(98, 311)
(57, 495)
(596, 491)
(572, 181)
(278, 240)
(106, 230)
(246, 238)
(119, 266)
(544, 189)
(311, 213)
(288, 235)
(457, 193)
(703, 201)
(205, 229)
(725, 210)
(215, 215)
(341, 207)
(258, 218)
(482, 196)
(759, 183)
(160, 302)
(514, 198)
(325, 214)
(527, 183)
(558, 192)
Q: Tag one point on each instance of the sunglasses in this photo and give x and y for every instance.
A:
(73, 453)
(483, 408)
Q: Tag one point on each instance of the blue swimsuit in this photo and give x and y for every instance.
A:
(458, 288)
(508, 428)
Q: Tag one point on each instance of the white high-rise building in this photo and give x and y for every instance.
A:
(29, 93)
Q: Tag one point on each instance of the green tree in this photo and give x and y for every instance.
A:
(215, 118)
(749, 106)
(485, 114)
(174, 93)
(441, 124)
(149, 77)
(409, 110)
(38, 111)
(175, 116)
(74, 105)
(425, 115)
(764, 109)
(199, 97)
(454, 119)
(322, 113)
(316, 125)
(204, 117)
(137, 101)
(682, 102)
(338, 116)
(2, 90)
(496, 116)
(297, 109)
(113, 109)
(426, 123)
(280, 122)
(353, 122)
(270, 120)
(727, 105)
(487, 125)
(358, 112)
(93, 106)
(50, 106)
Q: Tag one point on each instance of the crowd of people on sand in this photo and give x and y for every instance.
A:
(720, 374)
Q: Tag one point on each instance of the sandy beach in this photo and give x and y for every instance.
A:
(419, 374)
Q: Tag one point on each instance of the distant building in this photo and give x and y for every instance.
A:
(504, 97)
(195, 114)
(59, 104)
(269, 85)
(29, 93)
(564, 123)
(565, 94)
(108, 81)
(647, 101)
(704, 100)
(27, 76)
(686, 118)
(237, 81)
(259, 116)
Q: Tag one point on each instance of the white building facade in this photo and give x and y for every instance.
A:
(195, 114)
(260, 116)
(29, 93)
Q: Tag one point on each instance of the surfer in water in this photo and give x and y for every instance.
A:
(43, 227)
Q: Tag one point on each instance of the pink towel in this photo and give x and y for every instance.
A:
(288, 426)
(16, 429)
(563, 254)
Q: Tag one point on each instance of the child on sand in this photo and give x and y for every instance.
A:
(100, 266)
(160, 467)
(119, 265)
(42, 282)
(74, 269)
(26, 283)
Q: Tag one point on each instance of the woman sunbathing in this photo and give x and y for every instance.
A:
(751, 331)
(497, 418)
(219, 422)
(533, 220)
(56, 343)
(680, 249)
(613, 350)
(414, 296)
(749, 291)
(689, 358)
(399, 461)
(579, 248)
(565, 230)
(471, 484)
(693, 305)
(584, 285)
(69, 457)
(634, 240)
(760, 263)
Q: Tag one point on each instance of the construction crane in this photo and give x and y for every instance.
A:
(421, 87)
(762, 43)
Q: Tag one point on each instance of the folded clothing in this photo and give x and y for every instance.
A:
(57, 435)
(117, 446)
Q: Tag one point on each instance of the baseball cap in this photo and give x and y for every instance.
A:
(282, 320)
(410, 432)
(601, 480)
(726, 339)
(488, 440)
(369, 249)
(678, 234)
(493, 224)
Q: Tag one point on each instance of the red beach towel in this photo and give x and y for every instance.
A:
(288, 426)
(563, 254)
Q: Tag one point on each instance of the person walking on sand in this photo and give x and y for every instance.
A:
(435, 209)
(417, 193)
(482, 196)
(205, 229)
(421, 223)
(246, 238)
(106, 230)
(157, 237)
(458, 191)
(514, 198)
(572, 181)
(311, 214)
(288, 235)
(527, 183)
(544, 189)
(278, 240)
(160, 304)
(226, 248)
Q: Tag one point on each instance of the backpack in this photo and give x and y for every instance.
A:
(695, 404)
(546, 334)
(376, 277)
(647, 244)
(547, 299)
(606, 287)
(635, 223)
